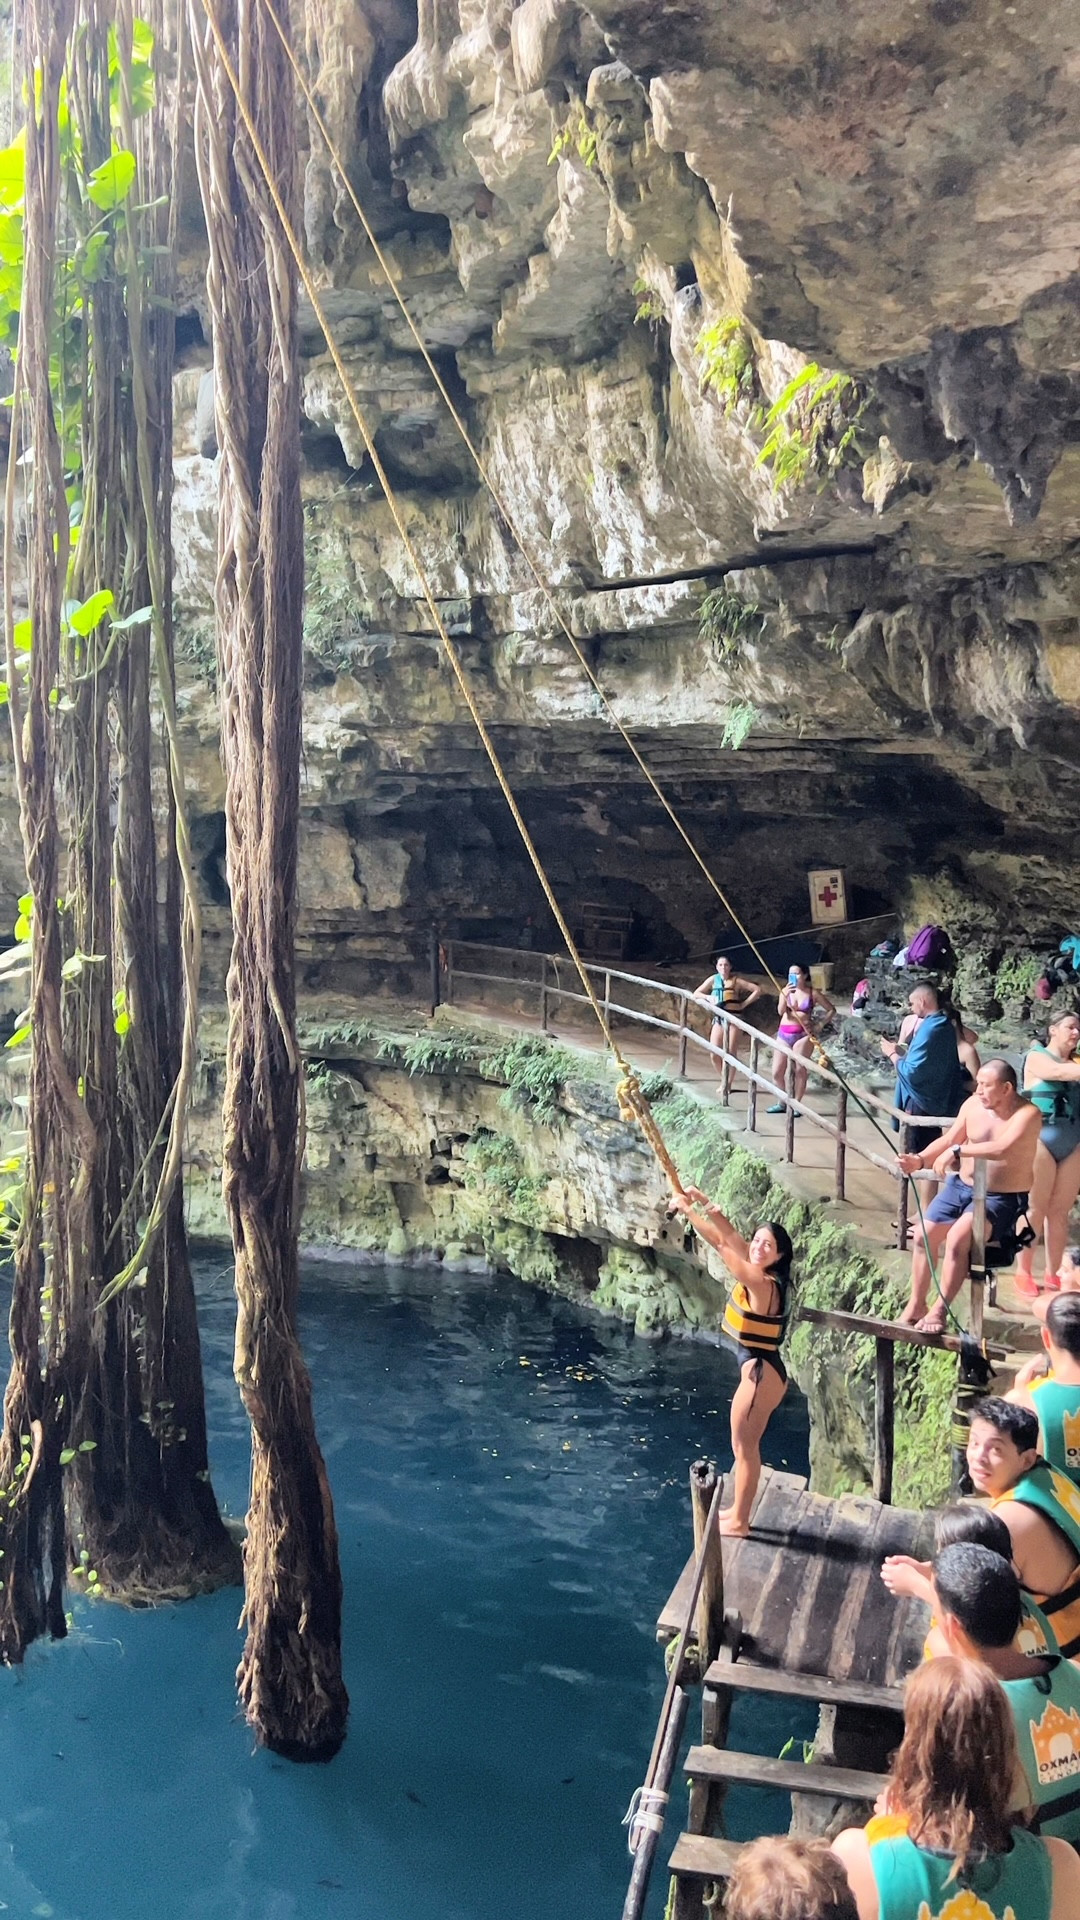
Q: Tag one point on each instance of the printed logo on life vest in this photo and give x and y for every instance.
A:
(1071, 1424)
(1066, 1494)
(1056, 1741)
(964, 1906)
(1031, 1639)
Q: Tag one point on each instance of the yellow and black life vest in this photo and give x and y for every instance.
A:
(757, 1332)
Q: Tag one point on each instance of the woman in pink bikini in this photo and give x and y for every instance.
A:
(796, 1006)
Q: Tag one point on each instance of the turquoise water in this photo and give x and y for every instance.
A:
(510, 1483)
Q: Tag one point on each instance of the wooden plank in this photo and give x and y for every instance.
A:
(704, 1859)
(745, 1678)
(786, 1776)
(874, 1329)
(884, 1411)
(778, 1591)
(823, 1630)
(773, 1487)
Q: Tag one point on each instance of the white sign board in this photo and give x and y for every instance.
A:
(828, 896)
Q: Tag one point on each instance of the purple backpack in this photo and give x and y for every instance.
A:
(930, 947)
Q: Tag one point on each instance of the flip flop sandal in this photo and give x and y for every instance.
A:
(1025, 1285)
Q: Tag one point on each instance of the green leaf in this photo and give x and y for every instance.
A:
(13, 175)
(23, 635)
(87, 1446)
(67, 1455)
(5, 693)
(84, 618)
(110, 184)
(121, 1025)
(92, 261)
(11, 239)
(140, 618)
(19, 1037)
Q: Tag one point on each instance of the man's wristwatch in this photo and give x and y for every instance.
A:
(956, 1156)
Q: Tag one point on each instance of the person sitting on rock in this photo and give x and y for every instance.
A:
(726, 991)
(1049, 1383)
(1052, 1082)
(797, 1005)
(978, 1606)
(787, 1877)
(753, 1325)
(928, 1077)
(1040, 1507)
(965, 1521)
(995, 1125)
(945, 1843)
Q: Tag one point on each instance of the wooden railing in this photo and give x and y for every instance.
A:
(455, 965)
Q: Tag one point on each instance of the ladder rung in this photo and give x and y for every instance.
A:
(705, 1859)
(788, 1776)
(746, 1678)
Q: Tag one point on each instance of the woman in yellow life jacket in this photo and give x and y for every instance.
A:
(945, 1844)
(753, 1325)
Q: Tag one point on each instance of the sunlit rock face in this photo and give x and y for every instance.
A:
(579, 203)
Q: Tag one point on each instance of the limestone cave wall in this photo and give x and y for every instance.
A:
(624, 229)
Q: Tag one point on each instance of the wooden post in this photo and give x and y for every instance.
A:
(789, 1117)
(710, 1612)
(682, 1036)
(544, 1028)
(841, 1149)
(902, 1203)
(607, 997)
(725, 1067)
(978, 1245)
(449, 973)
(649, 1839)
(752, 1087)
(433, 965)
(884, 1403)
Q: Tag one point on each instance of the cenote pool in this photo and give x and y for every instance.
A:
(510, 1482)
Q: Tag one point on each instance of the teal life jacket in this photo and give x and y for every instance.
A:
(1046, 1714)
(913, 1883)
(1057, 1100)
(1058, 1408)
(1053, 1494)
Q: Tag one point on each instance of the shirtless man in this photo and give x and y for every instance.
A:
(1040, 1507)
(995, 1125)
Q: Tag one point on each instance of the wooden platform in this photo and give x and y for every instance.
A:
(807, 1585)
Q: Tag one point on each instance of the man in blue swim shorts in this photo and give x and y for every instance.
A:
(996, 1125)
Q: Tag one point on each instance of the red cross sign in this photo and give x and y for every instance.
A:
(828, 896)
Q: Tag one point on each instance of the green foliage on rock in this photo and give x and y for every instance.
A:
(739, 723)
(728, 369)
(725, 619)
(495, 1170)
(812, 429)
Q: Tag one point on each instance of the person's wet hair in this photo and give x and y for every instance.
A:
(1018, 1423)
(976, 1525)
(1063, 1322)
(981, 1591)
(953, 1774)
(789, 1878)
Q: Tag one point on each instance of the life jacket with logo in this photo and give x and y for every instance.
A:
(915, 1881)
(1054, 1495)
(1035, 1636)
(757, 1332)
(1046, 1713)
(1058, 1408)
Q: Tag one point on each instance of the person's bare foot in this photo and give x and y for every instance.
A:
(731, 1526)
(932, 1322)
(910, 1317)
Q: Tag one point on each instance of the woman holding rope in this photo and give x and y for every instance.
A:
(753, 1325)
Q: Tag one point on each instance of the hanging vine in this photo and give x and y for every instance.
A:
(111, 1021)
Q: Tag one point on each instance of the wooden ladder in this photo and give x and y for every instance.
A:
(699, 1856)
